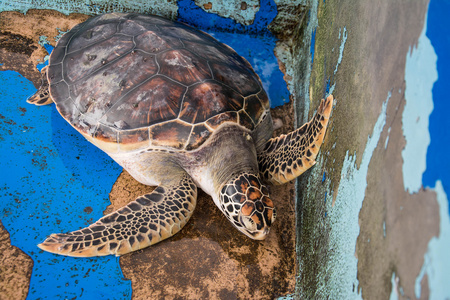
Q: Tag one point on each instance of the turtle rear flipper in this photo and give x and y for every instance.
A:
(288, 156)
(145, 221)
(42, 96)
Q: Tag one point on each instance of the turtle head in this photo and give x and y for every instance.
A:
(246, 203)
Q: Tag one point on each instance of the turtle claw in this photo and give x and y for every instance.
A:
(62, 244)
(42, 96)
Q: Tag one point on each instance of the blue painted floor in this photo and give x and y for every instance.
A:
(56, 182)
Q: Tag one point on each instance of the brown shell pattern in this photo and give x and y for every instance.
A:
(130, 78)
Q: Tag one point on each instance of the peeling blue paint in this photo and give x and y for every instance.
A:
(328, 86)
(313, 44)
(53, 175)
(190, 13)
(435, 173)
(254, 42)
(259, 52)
(438, 162)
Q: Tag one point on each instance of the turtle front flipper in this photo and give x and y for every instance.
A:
(288, 156)
(145, 221)
(42, 96)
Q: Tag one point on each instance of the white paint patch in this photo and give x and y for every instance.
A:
(387, 138)
(341, 54)
(420, 75)
(394, 292)
(342, 282)
(436, 262)
(341, 48)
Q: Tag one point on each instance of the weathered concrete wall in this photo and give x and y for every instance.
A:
(366, 221)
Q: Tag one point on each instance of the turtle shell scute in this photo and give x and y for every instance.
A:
(208, 99)
(106, 133)
(85, 36)
(172, 134)
(80, 64)
(217, 120)
(156, 100)
(200, 133)
(182, 66)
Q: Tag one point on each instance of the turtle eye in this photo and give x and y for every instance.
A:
(248, 223)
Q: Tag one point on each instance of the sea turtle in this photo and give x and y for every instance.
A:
(178, 110)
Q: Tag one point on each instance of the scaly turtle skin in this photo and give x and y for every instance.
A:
(176, 109)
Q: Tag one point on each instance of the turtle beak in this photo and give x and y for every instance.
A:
(255, 227)
(260, 235)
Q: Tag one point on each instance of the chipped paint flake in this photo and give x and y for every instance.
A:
(342, 282)
(387, 138)
(394, 292)
(241, 11)
(420, 75)
(341, 47)
(341, 54)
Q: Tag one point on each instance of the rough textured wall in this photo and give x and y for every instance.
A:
(372, 228)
